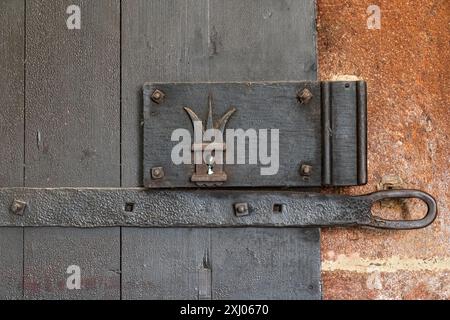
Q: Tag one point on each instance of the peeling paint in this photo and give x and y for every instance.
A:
(345, 77)
(374, 281)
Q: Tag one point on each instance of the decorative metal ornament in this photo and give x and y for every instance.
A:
(209, 171)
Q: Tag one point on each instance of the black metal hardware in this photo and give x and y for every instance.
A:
(378, 222)
(322, 142)
(87, 208)
(209, 173)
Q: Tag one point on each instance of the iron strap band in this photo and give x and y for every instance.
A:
(137, 207)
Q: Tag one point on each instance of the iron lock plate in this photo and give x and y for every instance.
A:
(321, 129)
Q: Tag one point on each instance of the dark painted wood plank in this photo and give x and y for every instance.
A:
(12, 92)
(11, 138)
(49, 252)
(72, 95)
(262, 40)
(72, 138)
(162, 40)
(11, 263)
(257, 263)
(167, 264)
(251, 40)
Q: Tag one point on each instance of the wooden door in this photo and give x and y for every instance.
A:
(71, 113)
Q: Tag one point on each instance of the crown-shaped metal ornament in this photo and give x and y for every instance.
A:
(209, 172)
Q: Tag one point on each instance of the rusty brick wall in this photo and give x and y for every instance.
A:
(406, 65)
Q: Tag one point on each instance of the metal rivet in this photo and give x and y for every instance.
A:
(306, 170)
(304, 96)
(18, 207)
(157, 96)
(157, 173)
(241, 209)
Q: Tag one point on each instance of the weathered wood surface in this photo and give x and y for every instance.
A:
(72, 135)
(11, 138)
(72, 114)
(11, 263)
(166, 263)
(161, 41)
(262, 40)
(265, 263)
(49, 252)
(173, 41)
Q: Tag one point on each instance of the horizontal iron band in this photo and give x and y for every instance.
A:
(138, 207)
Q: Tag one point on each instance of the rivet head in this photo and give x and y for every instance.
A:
(157, 173)
(18, 207)
(241, 209)
(304, 96)
(306, 170)
(157, 96)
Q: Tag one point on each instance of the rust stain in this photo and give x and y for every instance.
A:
(405, 64)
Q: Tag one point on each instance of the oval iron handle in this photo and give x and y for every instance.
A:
(378, 222)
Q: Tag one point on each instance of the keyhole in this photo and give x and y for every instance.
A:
(210, 163)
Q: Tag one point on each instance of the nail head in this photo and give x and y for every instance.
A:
(241, 209)
(157, 173)
(157, 96)
(304, 96)
(18, 207)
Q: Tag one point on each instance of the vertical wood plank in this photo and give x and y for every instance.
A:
(264, 40)
(12, 92)
(11, 263)
(49, 252)
(162, 40)
(213, 40)
(72, 136)
(72, 97)
(265, 263)
(167, 263)
(11, 138)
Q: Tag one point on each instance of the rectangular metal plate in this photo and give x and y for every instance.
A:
(327, 133)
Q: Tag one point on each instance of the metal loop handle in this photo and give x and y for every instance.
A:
(378, 222)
